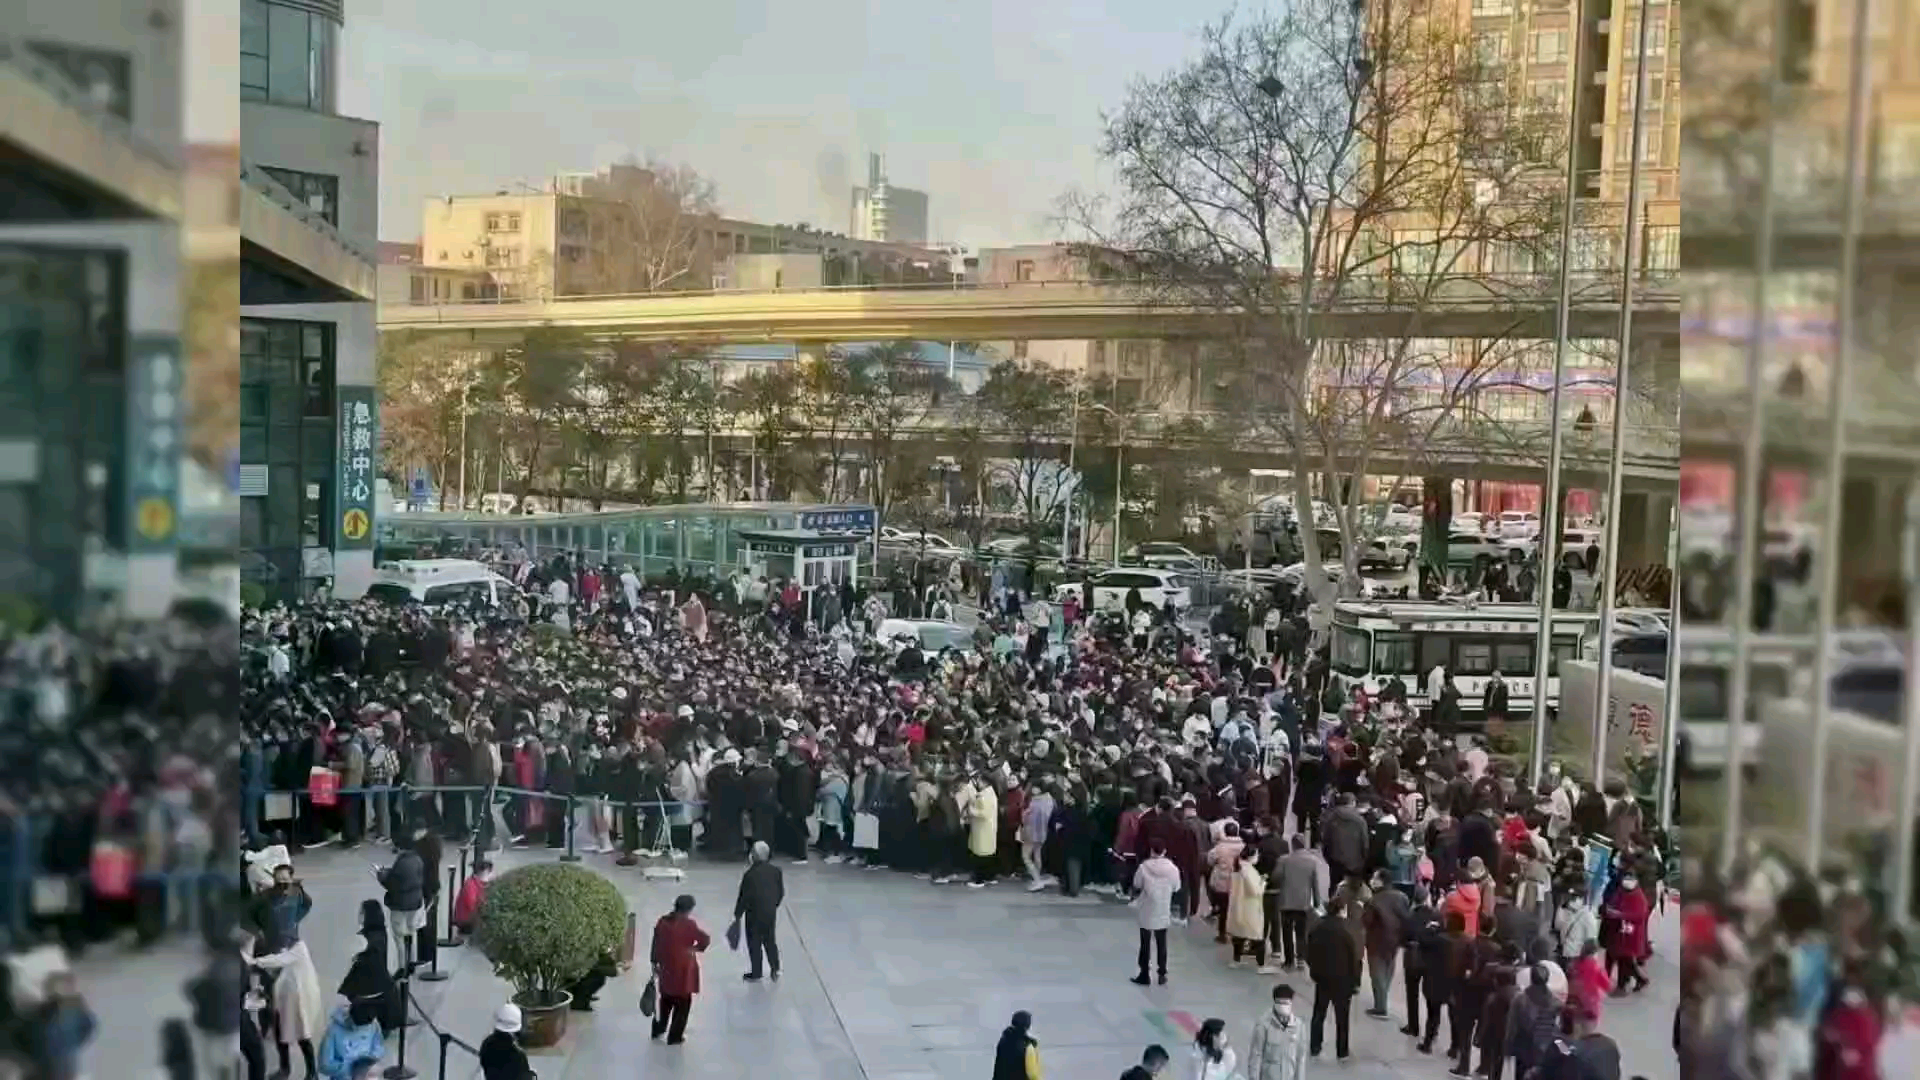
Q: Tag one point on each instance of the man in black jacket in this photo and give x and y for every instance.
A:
(798, 785)
(1333, 960)
(757, 909)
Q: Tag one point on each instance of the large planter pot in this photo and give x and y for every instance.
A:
(543, 1025)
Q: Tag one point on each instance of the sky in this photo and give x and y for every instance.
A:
(993, 107)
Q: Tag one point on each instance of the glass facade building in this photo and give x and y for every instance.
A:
(290, 52)
(62, 418)
(287, 449)
(693, 539)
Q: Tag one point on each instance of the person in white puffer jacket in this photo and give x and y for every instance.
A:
(1154, 884)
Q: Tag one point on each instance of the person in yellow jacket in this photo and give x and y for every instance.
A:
(1017, 1056)
(983, 831)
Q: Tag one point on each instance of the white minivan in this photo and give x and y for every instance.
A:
(439, 582)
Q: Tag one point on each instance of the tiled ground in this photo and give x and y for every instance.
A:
(887, 978)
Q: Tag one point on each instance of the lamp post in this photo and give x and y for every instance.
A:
(1119, 464)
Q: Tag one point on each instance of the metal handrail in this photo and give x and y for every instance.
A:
(15, 54)
(1597, 286)
(264, 183)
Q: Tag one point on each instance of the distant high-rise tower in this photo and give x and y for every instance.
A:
(882, 211)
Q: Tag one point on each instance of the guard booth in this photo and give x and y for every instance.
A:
(809, 558)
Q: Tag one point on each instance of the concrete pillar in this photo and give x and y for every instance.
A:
(1645, 518)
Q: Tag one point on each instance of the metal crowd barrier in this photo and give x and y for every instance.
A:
(31, 891)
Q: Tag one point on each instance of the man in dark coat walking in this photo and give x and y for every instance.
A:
(1017, 1055)
(1333, 961)
(757, 910)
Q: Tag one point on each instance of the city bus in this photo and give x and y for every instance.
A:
(1373, 641)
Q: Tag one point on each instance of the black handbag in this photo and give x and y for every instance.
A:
(649, 997)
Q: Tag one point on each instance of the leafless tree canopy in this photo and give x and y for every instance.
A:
(662, 225)
(1333, 156)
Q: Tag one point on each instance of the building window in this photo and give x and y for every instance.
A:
(418, 290)
(106, 78)
(1900, 152)
(316, 370)
(1490, 47)
(1549, 46)
(502, 256)
(1020, 350)
(287, 55)
(1663, 249)
(1549, 95)
(1492, 7)
(1023, 270)
(318, 192)
(1649, 144)
(1656, 35)
(1656, 92)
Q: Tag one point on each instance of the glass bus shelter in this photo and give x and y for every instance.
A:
(694, 539)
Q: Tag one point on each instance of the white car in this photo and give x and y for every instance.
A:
(1110, 589)
(1469, 521)
(932, 634)
(1640, 621)
(1153, 552)
(1471, 548)
(1387, 552)
(1518, 525)
(930, 541)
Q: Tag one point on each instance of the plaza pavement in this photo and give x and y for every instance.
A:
(886, 978)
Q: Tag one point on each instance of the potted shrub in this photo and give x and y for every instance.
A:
(544, 927)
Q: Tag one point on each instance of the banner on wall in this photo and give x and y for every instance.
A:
(153, 444)
(359, 468)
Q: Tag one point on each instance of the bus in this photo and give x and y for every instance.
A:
(1868, 680)
(1373, 641)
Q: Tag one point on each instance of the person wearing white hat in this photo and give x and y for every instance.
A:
(500, 1055)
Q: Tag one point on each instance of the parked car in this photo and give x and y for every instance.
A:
(1156, 553)
(930, 541)
(1110, 589)
(1386, 553)
(1518, 525)
(1469, 521)
(932, 634)
(1011, 547)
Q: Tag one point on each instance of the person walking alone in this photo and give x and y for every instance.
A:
(1154, 884)
(1017, 1055)
(1333, 960)
(757, 910)
(678, 942)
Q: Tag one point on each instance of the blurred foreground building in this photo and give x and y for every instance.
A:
(91, 200)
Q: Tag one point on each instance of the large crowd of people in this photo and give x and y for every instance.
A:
(1216, 773)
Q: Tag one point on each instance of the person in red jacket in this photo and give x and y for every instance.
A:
(1850, 1036)
(678, 942)
(1629, 945)
(467, 905)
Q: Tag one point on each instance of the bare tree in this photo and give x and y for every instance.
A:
(661, 226)
(1336, 157)
(1028, 405)
(894, 389)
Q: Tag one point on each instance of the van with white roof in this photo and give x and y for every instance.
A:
(441, 582)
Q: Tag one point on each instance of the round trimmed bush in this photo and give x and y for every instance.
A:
(545, 926)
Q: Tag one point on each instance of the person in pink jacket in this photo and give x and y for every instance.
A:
(1221, 860)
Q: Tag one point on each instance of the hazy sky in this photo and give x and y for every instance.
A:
(991, 107)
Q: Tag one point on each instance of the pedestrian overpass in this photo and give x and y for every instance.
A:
(1468, 306)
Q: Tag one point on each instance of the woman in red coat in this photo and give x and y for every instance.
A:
(678, 942)
(1850, 1037)
(1630, 944)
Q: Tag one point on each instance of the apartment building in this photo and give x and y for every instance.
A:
(309, 228)
(91, 371)
(882, 211)
(584, 234)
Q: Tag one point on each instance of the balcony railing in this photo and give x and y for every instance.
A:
(15, 54)
(262, 182)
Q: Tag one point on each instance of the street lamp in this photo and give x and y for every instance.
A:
(1119, 466)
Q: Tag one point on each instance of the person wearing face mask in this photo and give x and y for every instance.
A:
(1277, 1049)
(1213, 1058)
(1574, 928)
(500, 1055)
(1629, 945)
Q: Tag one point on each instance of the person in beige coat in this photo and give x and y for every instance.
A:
(983, 831)
(1246, 920)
